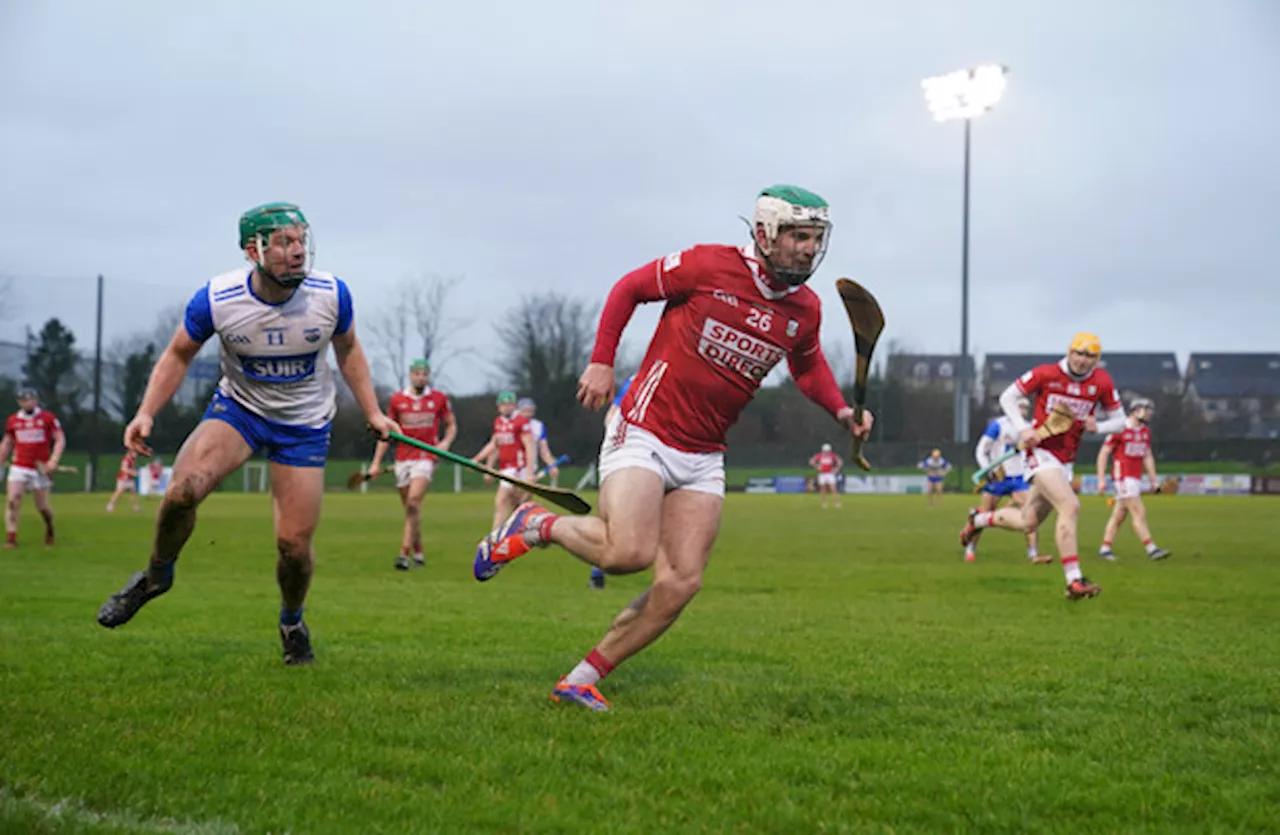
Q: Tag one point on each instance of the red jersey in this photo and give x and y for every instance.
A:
(32, 436)
(126, 466)
(1129, 450)
(826, 462)
(420, 416)
(509, 434)
(1050, 384)
(723, 330)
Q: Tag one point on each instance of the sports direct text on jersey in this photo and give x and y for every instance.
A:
(731, 348)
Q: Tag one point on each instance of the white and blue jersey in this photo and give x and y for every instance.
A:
(998, 440)
(276, 388)
(538, 430)
(935, 468)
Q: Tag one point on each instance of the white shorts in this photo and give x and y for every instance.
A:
(407, 471)
(124, 483)
(826, 479)
(626, 445)
(1128, 488)
(514, 472)
(1039, 460)
(30, 478)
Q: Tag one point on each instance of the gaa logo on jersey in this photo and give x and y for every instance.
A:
(793, 327)
(311, 334)
(293, 369)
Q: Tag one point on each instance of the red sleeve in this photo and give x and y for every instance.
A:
(1111, 440)
(446, 409)
(672, 277)
(814, 378)
(1030, 382)
(392, 411)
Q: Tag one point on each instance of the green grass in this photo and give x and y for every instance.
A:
(841, 671)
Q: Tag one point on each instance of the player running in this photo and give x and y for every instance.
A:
(528, 410)
(935, 471)
(828, 464)
(1077, 383)
(511, 450)
(125, 482)
(36, 439)
(731, 315)
(275, 321)
(1007, 480)
(1133, 456)
(421, 411)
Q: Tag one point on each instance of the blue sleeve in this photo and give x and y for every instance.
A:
(993, 430)
(199, 320)
(344, 307)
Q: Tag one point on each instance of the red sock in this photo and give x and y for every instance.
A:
(544, 527)
(12, 537)
(1106, 543)
(1071, 567)
(983, 520)
(1146, 542)
(603, 665)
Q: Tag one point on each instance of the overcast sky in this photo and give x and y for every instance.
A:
(1128, 183)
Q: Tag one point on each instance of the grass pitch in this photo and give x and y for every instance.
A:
(841, 671)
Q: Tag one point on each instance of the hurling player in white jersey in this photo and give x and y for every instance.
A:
(275, 321)
(1008, 479)
(527, 407)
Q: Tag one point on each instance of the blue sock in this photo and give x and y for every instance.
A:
(289, 617)
(596, 574)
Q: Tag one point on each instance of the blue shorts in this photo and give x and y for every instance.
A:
(294, 446)
(1006, 486)
(935, 479)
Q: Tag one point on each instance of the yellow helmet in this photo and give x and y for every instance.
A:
(1087, 343)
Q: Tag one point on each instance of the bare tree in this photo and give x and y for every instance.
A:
(547, 341)
(416, 324)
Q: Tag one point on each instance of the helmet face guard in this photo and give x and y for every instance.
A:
(784, 207)
(257, 226)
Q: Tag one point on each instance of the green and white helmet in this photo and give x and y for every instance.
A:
(257, 224)
(783, 206)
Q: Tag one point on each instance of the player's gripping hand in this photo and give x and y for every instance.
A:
(383, 425)
(858, 430)
(595, 386)
(137, 433)
(1028, 438)
(1091, 424)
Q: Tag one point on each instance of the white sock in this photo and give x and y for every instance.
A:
(970, 549)
(584, 673)
(1032, 552)
(418, 556)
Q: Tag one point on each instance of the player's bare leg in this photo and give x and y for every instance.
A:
(987, 503)
(505, 501)
(12, 509)
(411, 541)
(1020, 500)
(1138, 518)
(212, 451)
(296, 496)
(1050, 490)
(1118, 514)
(624, 538)
(46, 513)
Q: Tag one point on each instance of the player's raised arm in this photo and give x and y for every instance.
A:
(983, 452)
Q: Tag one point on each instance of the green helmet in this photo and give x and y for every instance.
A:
(782, 206)
(420, 365)
(506, 397)
(257, 224)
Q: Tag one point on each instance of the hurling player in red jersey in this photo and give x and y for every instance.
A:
(124, 482)
(731, 315)
(511, 450)
(828, 465)
(421, 411)
(1133, 456)
(36, 439)
(1076, 382)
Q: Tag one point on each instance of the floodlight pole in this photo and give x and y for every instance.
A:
(962, 384)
